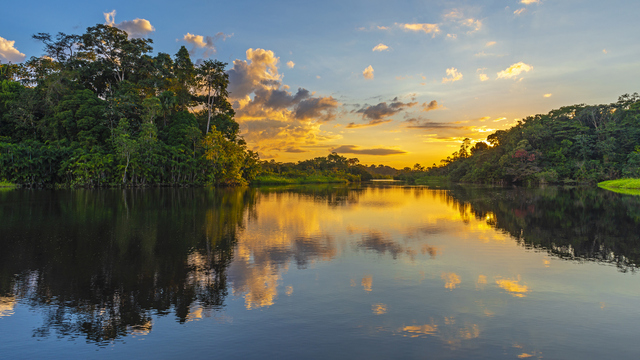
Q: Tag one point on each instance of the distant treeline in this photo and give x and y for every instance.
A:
(579, 143)
(98, 110)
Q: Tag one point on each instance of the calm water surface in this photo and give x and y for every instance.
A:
(378, 272)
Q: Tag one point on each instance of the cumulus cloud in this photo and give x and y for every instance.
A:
(291, 64)
(432, 105)
(382, 110)
(368, 73)
(474, 24)
(514, 70)
(319, 108)
(432, 29)
(204, 42)
(272, 118)
(454, 75)
(8, 51)
(135, 28)
(380, 47)
(353, 149)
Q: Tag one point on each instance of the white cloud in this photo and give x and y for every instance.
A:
(273, 119)
(380, 47)
(474, 24)
(452, 36)
(368, 73)
(204, 42)
(134, 28)
(291, 64)
(514, 70)
(8, 52)
(520, 11)
(454, 75)
(427, 28)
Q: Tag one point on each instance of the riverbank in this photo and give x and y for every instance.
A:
(311, 179)
(623, 186)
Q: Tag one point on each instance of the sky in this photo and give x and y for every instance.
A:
(394, 83)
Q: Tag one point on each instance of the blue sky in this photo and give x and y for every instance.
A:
(439, 71)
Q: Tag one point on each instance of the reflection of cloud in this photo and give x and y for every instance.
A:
(368, 73)
(419, 330)
(377, 242)
(7, 303)
(451, 280)
(454, 75)
(367, 283)
(513, 287)
(134, 28)
(8, 52)
(514, 70)
(289, 290)
(352, 149)
(482, 281)
(379, 309)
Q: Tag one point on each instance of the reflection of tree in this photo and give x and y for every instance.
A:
(570, 223)
(330, 194)
(104, 262)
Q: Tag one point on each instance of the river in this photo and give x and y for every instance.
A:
(376, 271)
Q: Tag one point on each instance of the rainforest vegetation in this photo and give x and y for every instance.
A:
(97, 109)
(579, 143)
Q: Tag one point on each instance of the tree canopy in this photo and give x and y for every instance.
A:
(99, 109)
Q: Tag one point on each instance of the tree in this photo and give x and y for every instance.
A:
(212, 81)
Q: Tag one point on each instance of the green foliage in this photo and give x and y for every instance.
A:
(98, 110)
(577, 143)
(331, 169)
(624, 186)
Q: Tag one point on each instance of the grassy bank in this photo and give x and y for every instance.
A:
(311, 179)
(623, 186)
(4, 185)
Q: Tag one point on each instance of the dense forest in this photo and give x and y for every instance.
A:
(577, 143)
(97, 109)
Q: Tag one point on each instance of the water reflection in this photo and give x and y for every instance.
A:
(101, 264)
(583, 224)
(105, 264)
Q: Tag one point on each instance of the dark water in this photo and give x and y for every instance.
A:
(381, 271)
